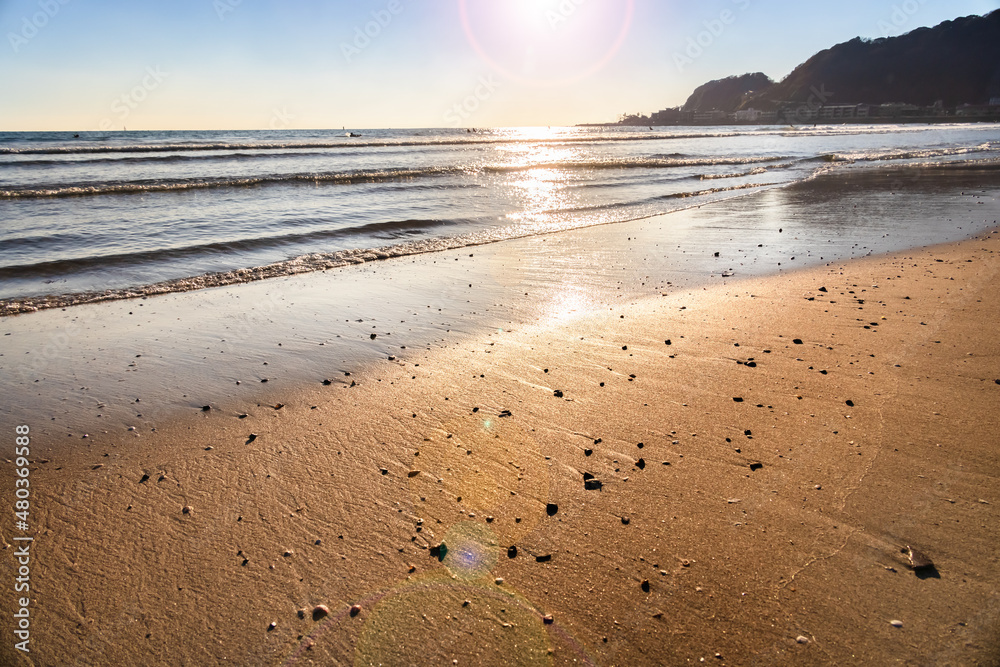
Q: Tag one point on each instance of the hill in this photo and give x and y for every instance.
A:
(728, 94)
(956, 62)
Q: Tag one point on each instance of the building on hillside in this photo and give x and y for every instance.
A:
(709, 117)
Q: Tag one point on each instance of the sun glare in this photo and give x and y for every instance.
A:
(546, 42)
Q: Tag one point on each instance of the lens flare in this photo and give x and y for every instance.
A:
(546, 43)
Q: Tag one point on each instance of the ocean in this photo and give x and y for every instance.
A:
(104, 216)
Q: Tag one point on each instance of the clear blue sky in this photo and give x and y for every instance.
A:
(242, 64)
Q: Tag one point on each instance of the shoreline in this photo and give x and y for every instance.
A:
(124, 367)
(766, 530)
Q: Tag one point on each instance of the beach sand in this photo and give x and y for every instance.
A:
(762, 452)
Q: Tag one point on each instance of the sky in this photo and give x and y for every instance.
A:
(305, 64)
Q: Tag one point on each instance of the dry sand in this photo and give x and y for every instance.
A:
(793, 441)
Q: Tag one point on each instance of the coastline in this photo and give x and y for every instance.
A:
(121, 369)
(684, 552)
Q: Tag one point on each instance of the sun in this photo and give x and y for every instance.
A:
(546, 42)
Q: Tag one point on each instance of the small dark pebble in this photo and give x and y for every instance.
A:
(624, 347)
(850, 404)
(588, 452)
(797, 341)
(669, 342)
(145, 478)
(547, 619)
(551, 509)
(320, 612)
(756, 466)
(327, 383)
(737, 399)
(626, 521)
(474, 410)
(641, 464)
(512, 552)
(251, 438)
(545, 558)
(822, 289)
(264, 380)
(645, 585)
(557, 393)
(207, 408)
(374, 336)
(355, 610)
(593, 485)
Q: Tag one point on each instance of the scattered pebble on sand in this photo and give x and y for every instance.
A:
(320, 612)
(896, 624)
(918, 560)
(355, 610)
(551, 509)
(802, 640)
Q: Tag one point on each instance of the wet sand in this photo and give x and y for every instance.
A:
(761, 452)
(101, 369)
